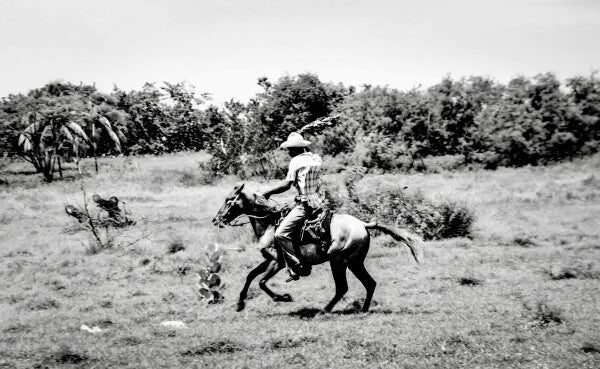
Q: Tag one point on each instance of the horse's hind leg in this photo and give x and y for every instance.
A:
(274, 267)
(365, 278)
(253, 274)
(341, 284)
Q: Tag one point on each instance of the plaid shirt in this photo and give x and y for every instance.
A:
(304, 172)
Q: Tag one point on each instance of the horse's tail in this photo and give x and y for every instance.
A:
(414, 244)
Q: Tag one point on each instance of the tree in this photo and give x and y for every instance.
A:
(12, 110)
(47, 134)
(148, 119)
(584, 118)
(184, 130)
(105, 126)
(289, 104)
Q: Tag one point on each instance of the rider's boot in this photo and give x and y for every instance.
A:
(269, 253)
(294, 267)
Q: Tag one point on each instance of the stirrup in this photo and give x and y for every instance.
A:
(293, 275)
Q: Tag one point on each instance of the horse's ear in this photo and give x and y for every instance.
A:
(239, 188)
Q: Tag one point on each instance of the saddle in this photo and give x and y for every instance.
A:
(316, 228)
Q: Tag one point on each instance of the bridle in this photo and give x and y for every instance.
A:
(229, 205)
(244, 223)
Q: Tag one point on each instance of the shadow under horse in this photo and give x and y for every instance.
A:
(348, 249)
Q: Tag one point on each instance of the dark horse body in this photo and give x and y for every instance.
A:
(348, 249)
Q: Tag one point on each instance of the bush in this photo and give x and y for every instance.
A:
(175, 246)
(579, 271)
(543, 315)
(414, 212)
(437, 164)
(457, 220)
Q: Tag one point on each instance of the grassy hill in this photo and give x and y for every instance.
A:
(523, 292)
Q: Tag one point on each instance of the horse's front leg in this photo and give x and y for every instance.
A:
(274, 267)
(253, 274)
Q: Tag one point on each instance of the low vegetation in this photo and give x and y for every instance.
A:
(486, 300)
(433, 220)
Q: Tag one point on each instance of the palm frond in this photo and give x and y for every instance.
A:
(47, 133)
(25, 142)
(111, 133)
(319, 125)
(33, 127)
(76, 128)
(65, 131)
(27, 146)
(119, 118)
(120, 134)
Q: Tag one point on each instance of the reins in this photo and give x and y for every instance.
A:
(233, 223)
(244, 223)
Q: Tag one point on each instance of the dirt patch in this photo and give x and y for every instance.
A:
(42, 304)
(290, 343)
(469, 281)
(64, 356)
(216, 347)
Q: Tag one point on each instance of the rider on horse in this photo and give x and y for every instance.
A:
(303, 174)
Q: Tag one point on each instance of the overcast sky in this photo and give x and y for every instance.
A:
(223, 46)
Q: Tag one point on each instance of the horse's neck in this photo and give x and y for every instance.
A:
(261, 216)
(260, 226)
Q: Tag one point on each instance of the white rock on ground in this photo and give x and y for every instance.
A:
(95, 329)
(173, 324)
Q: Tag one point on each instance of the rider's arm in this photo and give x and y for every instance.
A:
(281, 187)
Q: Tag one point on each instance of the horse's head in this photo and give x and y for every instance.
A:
(233, 207)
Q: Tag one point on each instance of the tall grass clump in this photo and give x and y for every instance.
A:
(412, 211)
(543, 314)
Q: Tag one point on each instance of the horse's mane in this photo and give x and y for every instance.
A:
(258, 201)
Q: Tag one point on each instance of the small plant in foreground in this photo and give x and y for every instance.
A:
(590, 348)
(581, 271)
(102, 226)
(216, 347)
(209, 286)
(524, 241)
(469, 281)
(65, 356)
(175, 246)
(544, 315)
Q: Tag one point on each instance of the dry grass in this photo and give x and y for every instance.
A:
(474, 303)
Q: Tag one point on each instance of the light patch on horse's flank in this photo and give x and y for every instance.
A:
(336, 246)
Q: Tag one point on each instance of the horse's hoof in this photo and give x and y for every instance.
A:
(283, 298)
(240, 306)
(323, 313)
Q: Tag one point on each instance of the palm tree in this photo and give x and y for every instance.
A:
(48, 133)
(105, 126)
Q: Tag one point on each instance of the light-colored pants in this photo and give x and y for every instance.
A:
(288, 226)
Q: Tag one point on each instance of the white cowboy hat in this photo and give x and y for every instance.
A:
(295, 140)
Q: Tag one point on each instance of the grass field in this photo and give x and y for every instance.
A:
(523, 292)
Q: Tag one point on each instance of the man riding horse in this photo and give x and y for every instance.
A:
(303, 173)
(346, 237)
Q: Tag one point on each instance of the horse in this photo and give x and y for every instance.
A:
(348, 248)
